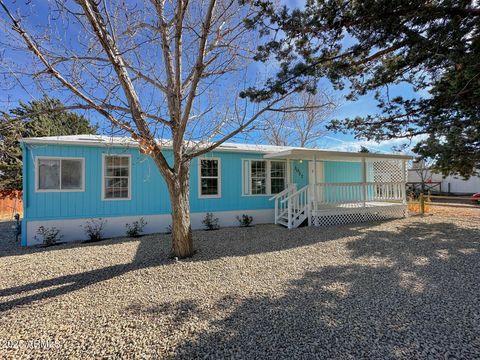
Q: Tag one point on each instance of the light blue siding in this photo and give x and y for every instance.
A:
(148, 188)
(149, 193)
(343, 172)
(300, 173)
(231, 183)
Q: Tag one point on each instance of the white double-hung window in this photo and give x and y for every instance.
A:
(209, 179)
(116, 177)
(60, 174)
(264, 177)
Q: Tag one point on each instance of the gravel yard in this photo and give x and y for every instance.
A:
(404, 289)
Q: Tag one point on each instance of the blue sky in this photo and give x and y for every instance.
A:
(24, 90)
(366, 105)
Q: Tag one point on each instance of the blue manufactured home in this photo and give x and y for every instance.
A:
(71, 179)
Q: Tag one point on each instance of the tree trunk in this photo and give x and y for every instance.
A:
(179, 189)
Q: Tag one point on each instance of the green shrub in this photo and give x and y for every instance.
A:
(245, 220)
(210, 222)
(50, 236)
(136, 228)
(94, 228)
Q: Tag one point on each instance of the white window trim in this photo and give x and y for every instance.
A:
(37, 174)
(268, 177)
(219, 177)
(129, 177)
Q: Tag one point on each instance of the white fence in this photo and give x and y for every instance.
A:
(355, 194)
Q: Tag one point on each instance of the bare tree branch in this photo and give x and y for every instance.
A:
(33, 47)
(299, 120)
(171, 69)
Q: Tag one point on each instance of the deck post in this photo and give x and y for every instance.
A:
(276, 211)
(404, 185)
(315, 179)
(289, 214)
(364, 180)
(289, 171)
(309, 209)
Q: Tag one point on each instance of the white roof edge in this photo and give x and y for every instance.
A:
(102, 140)
(271, 151)
(61, 140)
(332, 153)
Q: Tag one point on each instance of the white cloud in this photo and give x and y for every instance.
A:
(386, 146)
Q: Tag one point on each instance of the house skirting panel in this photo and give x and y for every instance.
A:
(338, 216)
(72, 230)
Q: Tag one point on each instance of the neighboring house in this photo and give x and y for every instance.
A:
(70, 179)
(437, 183)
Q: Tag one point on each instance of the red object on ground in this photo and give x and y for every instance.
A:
(476, 197)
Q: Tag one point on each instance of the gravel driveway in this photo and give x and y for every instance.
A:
(402, 289)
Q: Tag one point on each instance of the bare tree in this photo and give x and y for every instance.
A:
(301, 121)
(422, 167)
(161, 68)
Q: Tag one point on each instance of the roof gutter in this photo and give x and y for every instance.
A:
(132, 144)
(303, 154)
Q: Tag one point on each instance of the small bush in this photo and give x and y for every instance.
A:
(169, 229)
(94, 229)
(210, 222)
(136, 229)
(245, 220)
(50, 236)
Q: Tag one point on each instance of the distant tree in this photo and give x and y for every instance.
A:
(36, 118)
(422, 169)
(303, 124)
(433, 45)
(363, 149)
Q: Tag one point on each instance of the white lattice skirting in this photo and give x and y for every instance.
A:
(356, 215)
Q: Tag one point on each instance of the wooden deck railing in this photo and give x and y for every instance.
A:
(356, 194)
(294, 206)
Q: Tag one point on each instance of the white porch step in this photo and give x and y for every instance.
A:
(283, 220)
(294, 203)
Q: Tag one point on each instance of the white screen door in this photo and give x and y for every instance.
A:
(311, 174)
(320, 179)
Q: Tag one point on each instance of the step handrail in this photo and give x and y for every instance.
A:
(289, 188)
(295, 193)
(279, 206)
(298, 206)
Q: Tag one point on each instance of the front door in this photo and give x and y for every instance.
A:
(317, 191)
(300, 173)
(311, 173)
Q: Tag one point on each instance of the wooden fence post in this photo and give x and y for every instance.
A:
(422, 204)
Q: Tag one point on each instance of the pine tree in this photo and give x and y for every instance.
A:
(368, 45)
(33, 119)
